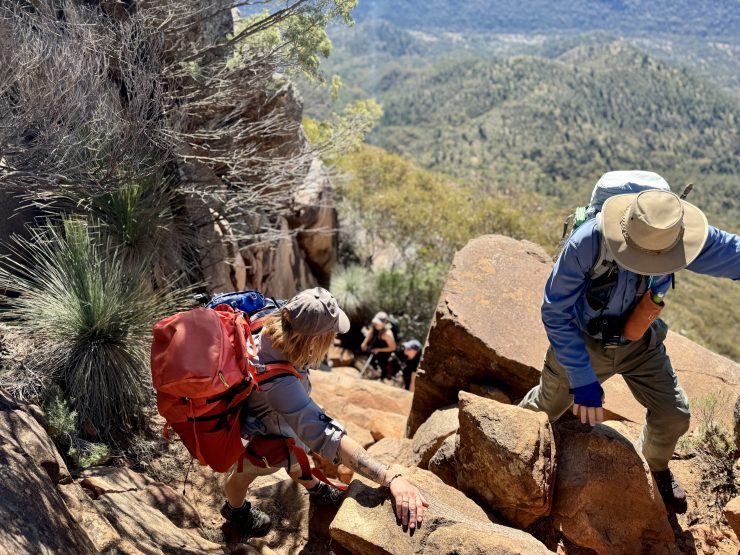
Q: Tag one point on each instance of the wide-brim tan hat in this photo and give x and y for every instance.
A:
(653, 232)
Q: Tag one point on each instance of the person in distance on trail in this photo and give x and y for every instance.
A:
(649, 236)
(301, 332)
(410, 362)
(381, 342)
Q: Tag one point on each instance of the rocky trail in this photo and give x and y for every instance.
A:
(499, 479)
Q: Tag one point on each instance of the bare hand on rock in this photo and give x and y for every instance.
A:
(410, 503)
(590, 415)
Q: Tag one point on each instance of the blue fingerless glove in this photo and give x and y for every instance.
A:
(587, 395)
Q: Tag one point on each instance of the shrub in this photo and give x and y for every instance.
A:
(90, 314)
(411, 295)
(88, 454)
(61, 420)
(716, 450)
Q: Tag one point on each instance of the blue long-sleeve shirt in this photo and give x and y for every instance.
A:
(565, 311)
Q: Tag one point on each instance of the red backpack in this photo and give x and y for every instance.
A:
(203, 368)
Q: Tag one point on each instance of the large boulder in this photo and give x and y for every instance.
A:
(393, 450)
(736, 423)
(506, 458)
(732, 514)
(443, 463)
(486, 325)
(605, 496)
(487, 330)
(22, 431)
(34, 518)
(429, 437)
(366, 525)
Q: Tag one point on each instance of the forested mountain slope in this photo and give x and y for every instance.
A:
(719, 18)
(554, 125)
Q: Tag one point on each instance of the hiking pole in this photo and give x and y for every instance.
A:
(367, 363)
(686, 191)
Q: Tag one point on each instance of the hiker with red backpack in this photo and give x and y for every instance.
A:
(266, 419)
(601, 307)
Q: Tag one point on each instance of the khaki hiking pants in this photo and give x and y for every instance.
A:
(648, 372)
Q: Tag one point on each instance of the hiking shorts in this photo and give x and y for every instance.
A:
(252, 470)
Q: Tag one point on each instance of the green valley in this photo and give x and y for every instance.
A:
(540, 113)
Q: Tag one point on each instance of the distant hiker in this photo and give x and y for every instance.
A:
(601, 304)
(284, 422)
(380, 341)
(410, 362)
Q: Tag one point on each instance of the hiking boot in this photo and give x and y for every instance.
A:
(247, 520)
(671, 491)
(325, 494)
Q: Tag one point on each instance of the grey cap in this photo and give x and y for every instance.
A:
(412, 344)
(380, 318)
(316, 311)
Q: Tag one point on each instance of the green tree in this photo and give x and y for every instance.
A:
(298, 30)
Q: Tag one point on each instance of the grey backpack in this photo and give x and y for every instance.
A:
(610, 184)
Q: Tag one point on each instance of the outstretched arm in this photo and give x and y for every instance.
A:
(410, 503)
(366, 341)
(292, 402)
(720, 256)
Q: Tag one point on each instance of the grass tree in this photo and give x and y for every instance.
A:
(354, 288)
(90, 315)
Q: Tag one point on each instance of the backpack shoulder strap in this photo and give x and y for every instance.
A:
(273, 370)
(604, 261)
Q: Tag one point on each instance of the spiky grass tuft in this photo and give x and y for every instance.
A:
(90, 313)
(354, 289)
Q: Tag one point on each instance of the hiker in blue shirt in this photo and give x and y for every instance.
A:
(642, 238)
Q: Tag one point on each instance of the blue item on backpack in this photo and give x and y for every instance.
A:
(254, 303)
(246, 301)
